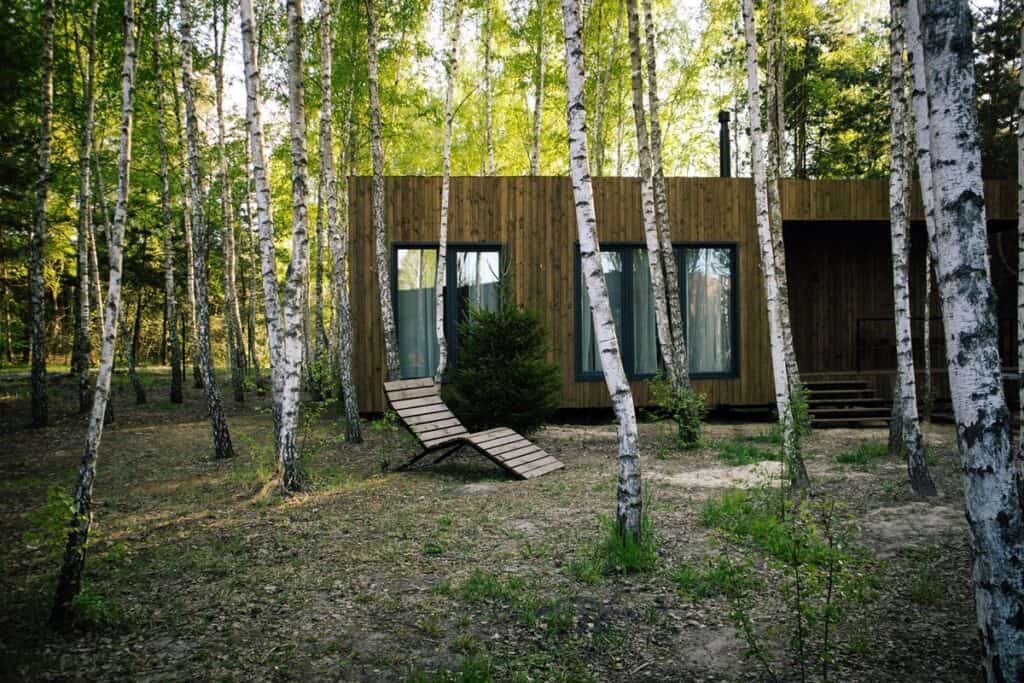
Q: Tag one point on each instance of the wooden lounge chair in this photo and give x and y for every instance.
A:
(420, 408)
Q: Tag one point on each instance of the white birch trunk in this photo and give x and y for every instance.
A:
(602, 94)
(647, 203)
(70, 580)
(339, 244)
(451, 68)
(380, 230)
(264, 214)
(629, 506)
(794, 463)
(1020, 252)
(668, 253)
(538, 92)
(232, 316)
(222, 447)
(37, 288)
(911, 442)
(992, 483)
(926, 337)
(488, 94)
(295, 279)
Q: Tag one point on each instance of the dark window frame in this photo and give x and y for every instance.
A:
(625, 249)
(451, 266)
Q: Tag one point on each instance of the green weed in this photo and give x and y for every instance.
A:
(864, 456)
(710, 578)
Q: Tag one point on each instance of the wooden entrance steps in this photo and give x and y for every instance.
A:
(419, 407)
(846, 403)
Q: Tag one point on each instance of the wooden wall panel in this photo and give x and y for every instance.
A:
(534, 219)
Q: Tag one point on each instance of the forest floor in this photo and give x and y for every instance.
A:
(198, 570)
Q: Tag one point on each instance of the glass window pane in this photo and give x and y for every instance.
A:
(645, 329)
(709, 323)
(477, 274)
(417, 338)
(611, 263)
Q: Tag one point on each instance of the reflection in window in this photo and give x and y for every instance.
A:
(417, 338)
(645, 329)
(611, 263)
(709, 323)
(477, 275)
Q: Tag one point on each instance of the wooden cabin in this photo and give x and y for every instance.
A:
(523, 230)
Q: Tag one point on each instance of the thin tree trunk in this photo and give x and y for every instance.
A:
(629, 504)
(94, 271)
(131, 350)
(233, 319)
(186, 212)
(912, 444)
(170, 310)
(538, 92)
(338, 237)
(775, 134)
(488, 94)
(70, 581)
(668, 253)
(1020, 252)
(794, 462)
(380, 230)
(295, 280)
(222, 447)
(451, 68)
(601, 98)
(37, 287)
(252, 249)
(83, 345)
(926, 337)
(264, 216)
(654, 253)
(992, 480)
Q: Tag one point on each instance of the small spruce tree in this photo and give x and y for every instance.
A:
(501, 378)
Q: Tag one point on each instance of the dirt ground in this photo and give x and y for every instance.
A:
(199, 571)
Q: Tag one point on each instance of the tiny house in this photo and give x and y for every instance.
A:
(519, 234)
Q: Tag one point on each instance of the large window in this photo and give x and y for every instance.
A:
(473, 275)
(707, 278)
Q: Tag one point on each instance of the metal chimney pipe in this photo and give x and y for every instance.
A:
(724, 153)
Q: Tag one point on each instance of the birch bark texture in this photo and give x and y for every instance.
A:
(538, 91)
(380, 229)
(794, 463)
(911, 443)
(338, 242)
(222, 447)
(488, 91)
(668, 253)
(1020, 250)
(264, 214)
(629, 501)
(171, 309)
(992, 482)
(647, 201)
(295, 278)
(451, 69)
(37, 290)
(69, 582)
(233, 318)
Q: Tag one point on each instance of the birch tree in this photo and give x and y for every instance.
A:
(171, 309)
(380, 230)
(295, 279)
(222, 447)
(264, 215)
(37, 290)
(775, 129)
(338, 236)
(629, 503)
(232, 316)
(451, 67)
(70, 580)
(601, 100)
(911, 443)
(488, 92)
(82, 342)
(676, 373)
(538, 91)
(992, 480)
(1020, 249)
(794, 462)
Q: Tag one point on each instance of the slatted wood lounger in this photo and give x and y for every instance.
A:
(420, 408)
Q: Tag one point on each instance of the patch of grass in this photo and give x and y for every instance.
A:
(93, 610)
(927, 588)
(473, 669)
(617, 553)
(707, 579)
(741, 452)
(772, 436)
(864, 456)
(483, 586)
